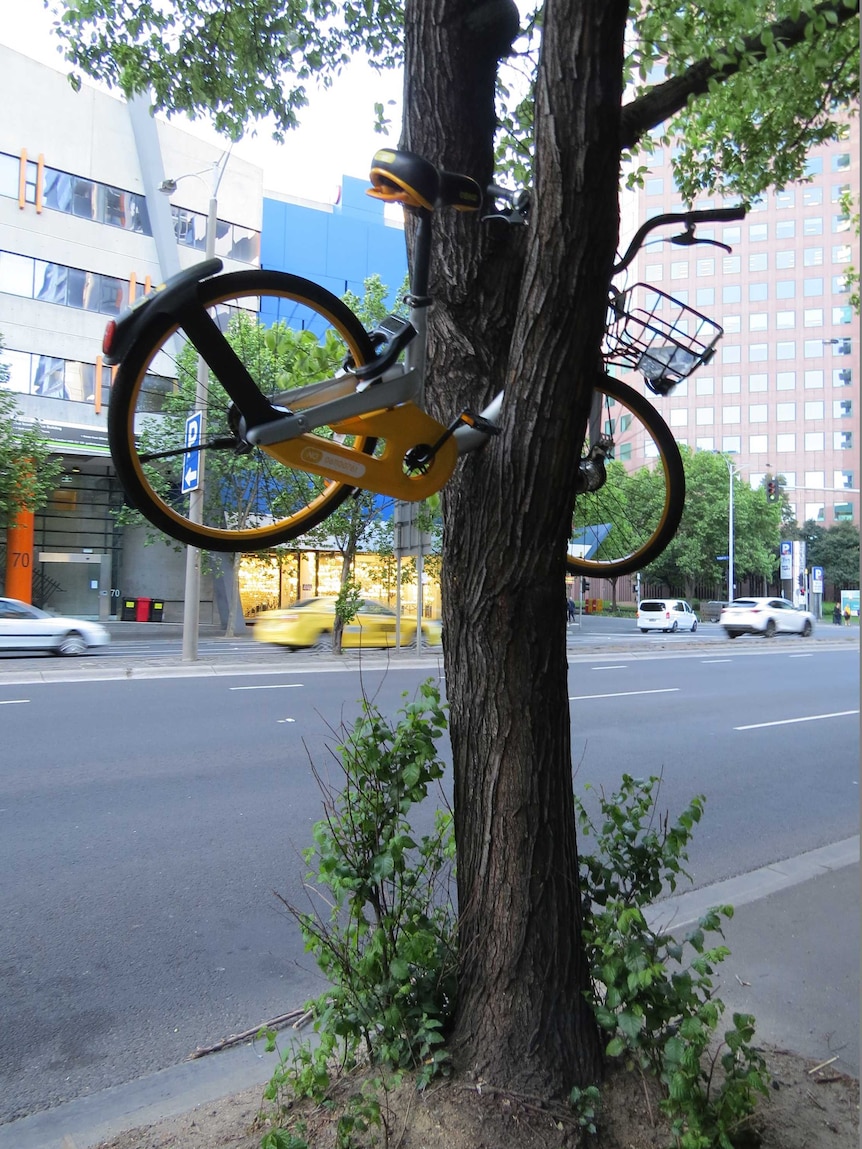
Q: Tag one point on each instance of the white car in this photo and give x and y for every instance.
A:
(25, 627)
(766, 616)
(668, 614)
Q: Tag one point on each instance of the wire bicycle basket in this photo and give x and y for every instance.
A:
(665, 341)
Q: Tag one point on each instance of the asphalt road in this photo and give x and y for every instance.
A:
(147, 822)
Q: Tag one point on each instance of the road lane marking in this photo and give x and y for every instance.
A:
(616, 666)
(622, 694)
(790, 721)
(711, 661)
(269, 686)
(801, 655)
(13, 701)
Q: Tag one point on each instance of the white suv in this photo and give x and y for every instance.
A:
(669, 614)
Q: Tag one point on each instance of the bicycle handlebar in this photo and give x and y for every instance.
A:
(688, 219)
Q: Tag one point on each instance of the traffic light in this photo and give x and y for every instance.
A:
(585, 585)
(771, 490)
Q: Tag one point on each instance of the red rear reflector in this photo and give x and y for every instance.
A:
(108, 337)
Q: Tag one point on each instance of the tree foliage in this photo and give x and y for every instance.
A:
(836, 549)
(28, 472)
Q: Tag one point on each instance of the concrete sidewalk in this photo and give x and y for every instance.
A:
(794, 964)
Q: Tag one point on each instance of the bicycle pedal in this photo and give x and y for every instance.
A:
(479, 423)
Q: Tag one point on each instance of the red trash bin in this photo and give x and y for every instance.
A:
(142, 610)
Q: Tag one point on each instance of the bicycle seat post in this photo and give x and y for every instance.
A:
(418, 299)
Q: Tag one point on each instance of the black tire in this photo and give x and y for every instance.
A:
(627, 523)
(643, 630)
(287, 332)
(694, 626)
(674, 628)
(808, 629)
(72, 644)
(732, 634)
(770, 628)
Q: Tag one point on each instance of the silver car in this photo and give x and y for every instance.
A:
(25, 627)
(766, 616)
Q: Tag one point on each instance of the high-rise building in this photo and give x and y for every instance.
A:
(781, 395)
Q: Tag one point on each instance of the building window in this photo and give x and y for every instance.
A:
(732, 324)
(812, 287)
(843, 512)
(842, 408)
(785, 229)
(785, 289)
(758, 382)
(813, 380)
(679, 417)
(814, 440)
(785, 320)
(704, 444)
(731, 444)
(785, 198)
(841, 163)
(814, 165)
(758, 444)
(704, 385)
(653, 272)
(731, 235)
(758, 321)
(654, 186)
(842, 440)
(813, 225)
(705, 296)
(840, 346)
(679, 269)
(840, 223)
(812, 317)
(758, 413)
(811, 197)
(814, 409)
(731, 353)
(757, 232)
(704, 416)
(731, 293)
(758, 352)
(812, 257)
(758, 261)
(785, 349)
(757, 292)
(841, 253)
(842, 377)
(785, 412)
(731, 384)
(731, 265)
(842, 315)
(785, 380)
(839, 191)
(785, 443)
(730, 416)
(705, 267)
(840, 284)
(843, 480)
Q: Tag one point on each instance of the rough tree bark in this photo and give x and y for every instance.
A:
(524, 308)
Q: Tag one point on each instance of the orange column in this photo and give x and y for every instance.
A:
(19, 557)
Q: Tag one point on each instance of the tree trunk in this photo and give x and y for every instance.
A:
(505, 302)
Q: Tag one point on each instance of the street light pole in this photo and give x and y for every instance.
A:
(192, 593)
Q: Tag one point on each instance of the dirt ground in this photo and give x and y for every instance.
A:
(809, 1107)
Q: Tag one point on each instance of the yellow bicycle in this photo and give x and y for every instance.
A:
(297, 405)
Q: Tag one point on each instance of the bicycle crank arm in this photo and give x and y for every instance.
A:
(401, 431)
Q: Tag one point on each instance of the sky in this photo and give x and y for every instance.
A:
(336, 136)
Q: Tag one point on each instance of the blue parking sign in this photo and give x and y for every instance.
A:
(191, 467)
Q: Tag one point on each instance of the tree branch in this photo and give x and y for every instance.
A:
(657, 105)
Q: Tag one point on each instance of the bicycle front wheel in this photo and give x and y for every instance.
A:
(631, 516)
(287, 332)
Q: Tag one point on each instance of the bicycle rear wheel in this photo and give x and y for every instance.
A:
(287, 332)
(629, 520)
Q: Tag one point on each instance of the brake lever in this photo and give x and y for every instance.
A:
(517, 213)
(689, 239)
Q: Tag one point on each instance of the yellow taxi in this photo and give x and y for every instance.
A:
(309, 624)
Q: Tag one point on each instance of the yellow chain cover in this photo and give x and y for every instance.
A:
(399, 429)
